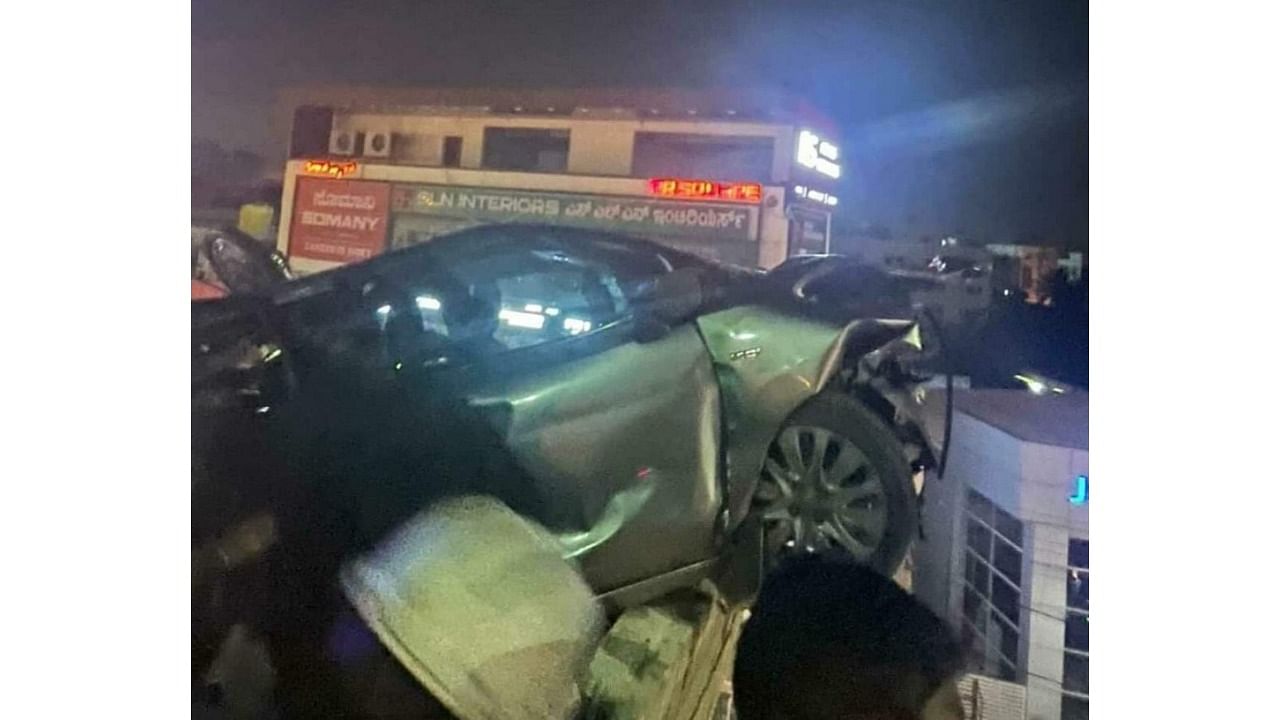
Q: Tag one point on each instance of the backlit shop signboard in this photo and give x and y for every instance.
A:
(817, 154)
(681, 189)
(814, 195)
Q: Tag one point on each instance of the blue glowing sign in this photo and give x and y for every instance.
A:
(1081, 495)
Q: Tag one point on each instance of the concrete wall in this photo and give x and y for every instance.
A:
(1046, 558)
(935, 566)
(596, 146)
(989, 460)
(1048, 474)
(1032, 482)
(773, 228)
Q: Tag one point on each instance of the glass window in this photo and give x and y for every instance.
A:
(518, 287)
(1008, 672)
(972, 605)
(1008, 560)
(1078, 589)
(1075, 673)
(1074, 708)
(1008, 526)
(995, 597)
(981, 578)
(981, 507)
(411, 229)
(451, 153)
(1077, 631)
(523, 297)
(860, 285)
(1078, 553)
(807, 233)
(1075, 659)
(980, 539)
(1008, 640)
(532, 149)
(981, 624)
(1004, 597)
(373, 325)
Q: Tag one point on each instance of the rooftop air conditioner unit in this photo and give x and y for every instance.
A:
(342, 142)
(377, 143)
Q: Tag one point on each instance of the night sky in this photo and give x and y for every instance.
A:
(959, 116)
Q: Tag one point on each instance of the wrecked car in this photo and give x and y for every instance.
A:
(661, 414)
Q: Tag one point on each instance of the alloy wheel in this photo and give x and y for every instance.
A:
(819, 491)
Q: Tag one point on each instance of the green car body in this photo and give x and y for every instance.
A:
(650, 432)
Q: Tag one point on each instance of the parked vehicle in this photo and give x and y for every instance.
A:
(226, 260)
(661, 414)
(860, 288)
(864, 290)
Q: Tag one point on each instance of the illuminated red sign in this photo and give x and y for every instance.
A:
(329, 168)
(678, 189)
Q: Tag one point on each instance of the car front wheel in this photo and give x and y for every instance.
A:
(836, 478)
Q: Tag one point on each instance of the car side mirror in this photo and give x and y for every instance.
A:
(668, 301)
(245, 265)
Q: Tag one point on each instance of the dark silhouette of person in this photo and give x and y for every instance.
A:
(831, 639)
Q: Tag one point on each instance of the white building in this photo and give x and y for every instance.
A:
(1006, 550)
(748, 178)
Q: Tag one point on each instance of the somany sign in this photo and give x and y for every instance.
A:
(338, 220)
(650, 217)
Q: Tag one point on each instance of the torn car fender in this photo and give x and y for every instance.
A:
(768, 363)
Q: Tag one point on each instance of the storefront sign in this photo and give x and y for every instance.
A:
(647, 217)
(678, 189)
(338, 220)
(329, 168)
(815, 195)
(1080, 495)
(818, 154)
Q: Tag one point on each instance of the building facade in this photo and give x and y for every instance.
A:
(746, 178)
(1006, 550)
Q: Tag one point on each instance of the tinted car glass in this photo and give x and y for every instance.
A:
(511, 287)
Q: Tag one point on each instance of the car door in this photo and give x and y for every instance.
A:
(619, 437)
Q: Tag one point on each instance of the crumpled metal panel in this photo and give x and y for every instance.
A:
(644, 502)
(768, 364)
(478, 605)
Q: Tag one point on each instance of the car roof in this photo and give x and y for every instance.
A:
(380, 264)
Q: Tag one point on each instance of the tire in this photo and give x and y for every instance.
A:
(858, 500)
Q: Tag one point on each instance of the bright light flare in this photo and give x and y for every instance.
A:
(516, 318)
(575, 326)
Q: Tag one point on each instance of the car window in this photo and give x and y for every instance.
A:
(476, 294)
(861, 285)
(541, 293)
(501, 288)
